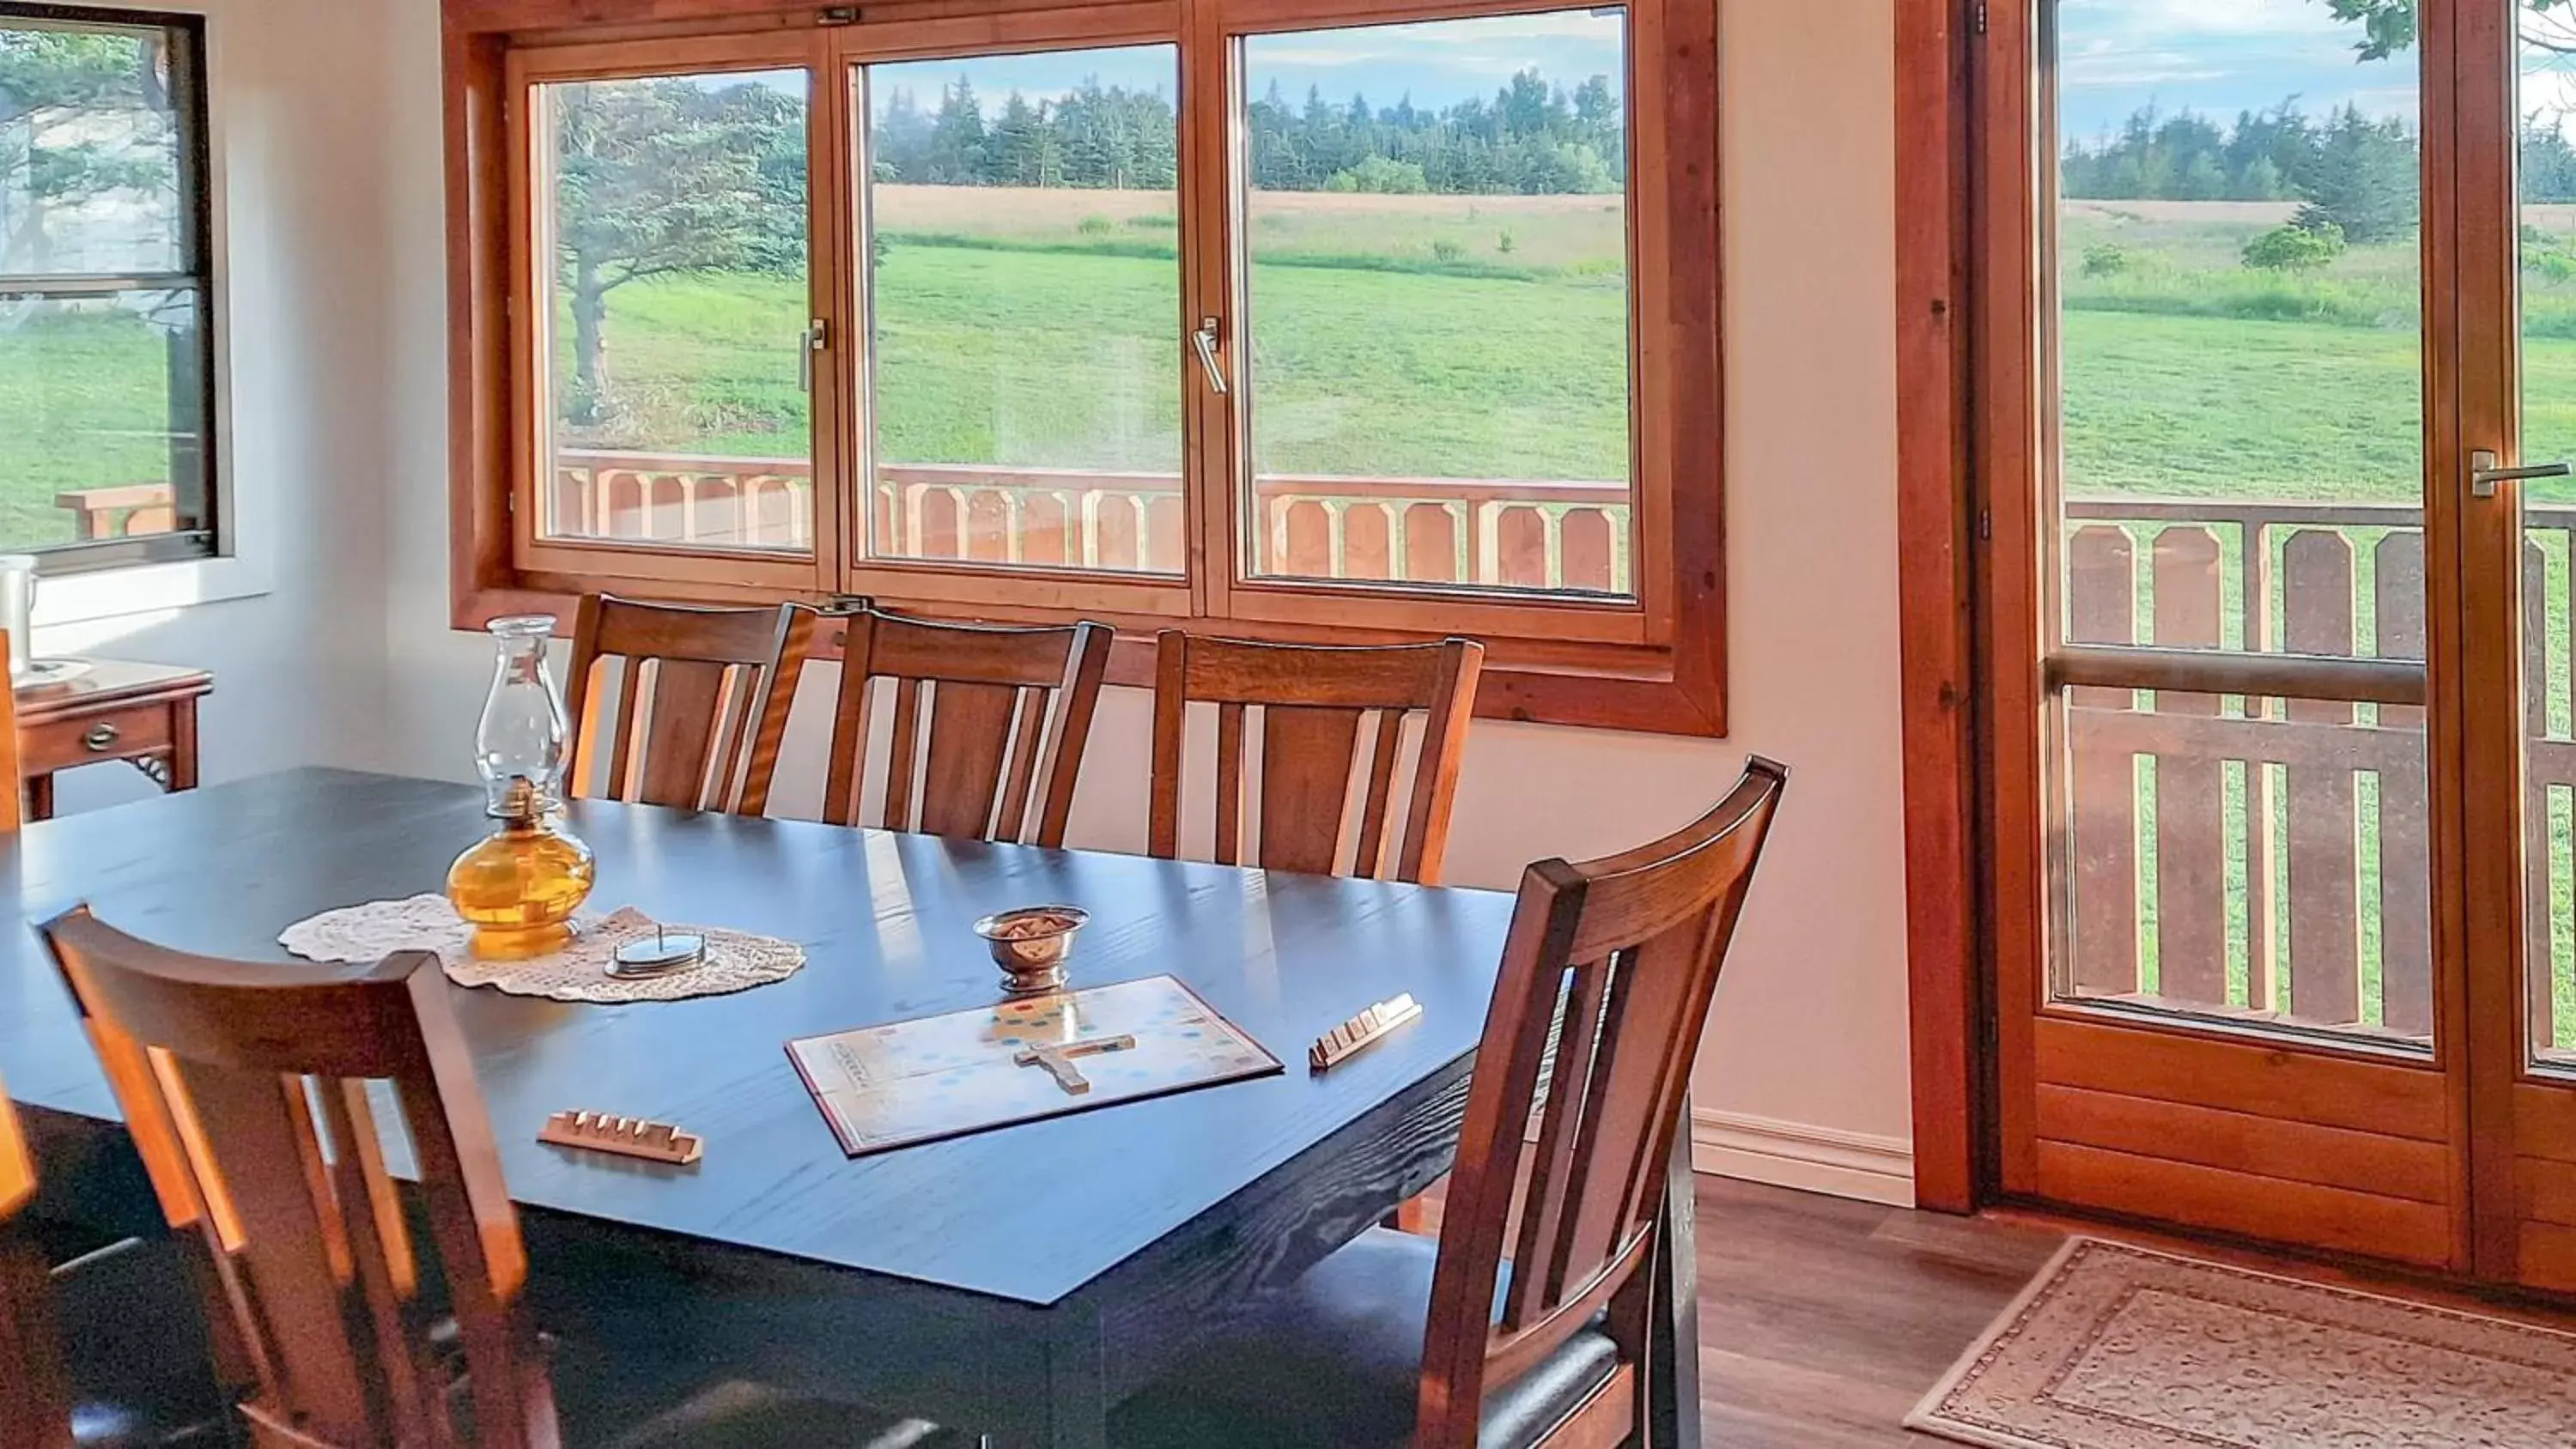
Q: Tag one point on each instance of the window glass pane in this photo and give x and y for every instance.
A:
(2547, 180)
(1439, 380)
(91, 137)
(102, 400)
(1024, 306)
(2239, 328)
(674, 209)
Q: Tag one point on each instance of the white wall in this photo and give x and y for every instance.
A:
(1804, 1077)
(298, 662)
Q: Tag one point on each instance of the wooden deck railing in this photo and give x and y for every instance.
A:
(1506, 532)
(2272, 858)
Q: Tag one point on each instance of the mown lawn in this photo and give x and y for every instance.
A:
(81, 404)
(1071, 359)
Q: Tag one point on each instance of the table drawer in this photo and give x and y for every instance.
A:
(120, 734)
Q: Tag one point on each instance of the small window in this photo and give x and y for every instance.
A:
(106, 343)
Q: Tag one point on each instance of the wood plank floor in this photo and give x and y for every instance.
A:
(1823, 1321)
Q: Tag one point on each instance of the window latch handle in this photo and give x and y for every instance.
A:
(2484, 475)
(1210, 330)
(815, 339)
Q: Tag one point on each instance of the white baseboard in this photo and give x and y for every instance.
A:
(1811, 1159)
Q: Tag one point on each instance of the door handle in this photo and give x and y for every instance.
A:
(2484, 474)
(1205, 340)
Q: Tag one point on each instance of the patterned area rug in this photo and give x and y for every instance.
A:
(2118, 1348)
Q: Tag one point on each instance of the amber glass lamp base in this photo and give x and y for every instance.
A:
(519, 888)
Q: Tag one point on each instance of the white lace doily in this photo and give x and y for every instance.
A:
(735, 961)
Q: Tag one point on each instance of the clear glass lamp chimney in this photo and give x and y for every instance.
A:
(520, 746)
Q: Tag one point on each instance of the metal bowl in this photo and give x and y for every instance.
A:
(1031, 945)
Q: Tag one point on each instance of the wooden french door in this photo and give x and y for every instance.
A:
(2280, 687)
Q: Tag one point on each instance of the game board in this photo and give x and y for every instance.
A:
(883, 1087)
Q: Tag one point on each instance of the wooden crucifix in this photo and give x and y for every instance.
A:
(1059, 1059)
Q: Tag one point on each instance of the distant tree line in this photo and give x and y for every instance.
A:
(2358, 173)
(1531, 138)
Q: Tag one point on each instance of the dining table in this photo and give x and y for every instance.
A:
(1014, 1284)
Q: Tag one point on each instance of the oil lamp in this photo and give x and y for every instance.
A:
(521, 884)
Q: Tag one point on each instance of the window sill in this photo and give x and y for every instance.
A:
(85, 598)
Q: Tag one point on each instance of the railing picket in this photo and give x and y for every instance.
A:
(1046, 533)
(1115, 525)
(2323, 839)
(1520, 548)
(2405, 823)
(1165, 532)
(893, 540)
(1431, 543)
(1310, 542)
(935, 522)
(1367, 552)
(2102, 598)
(2191, 802)
(1590, 551)
(988, 526)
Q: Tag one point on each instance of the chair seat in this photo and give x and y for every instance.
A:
(1334, 1364)
(134, 1346)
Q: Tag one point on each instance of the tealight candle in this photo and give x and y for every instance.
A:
(660, 954)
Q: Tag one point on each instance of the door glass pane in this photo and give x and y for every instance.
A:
(1439, 376)
(2237, 333)
(1024, 286)
(2548, 207)
(673, 209)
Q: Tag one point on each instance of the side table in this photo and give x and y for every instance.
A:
(142, 714)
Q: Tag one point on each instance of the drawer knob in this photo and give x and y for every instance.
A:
(101, 738)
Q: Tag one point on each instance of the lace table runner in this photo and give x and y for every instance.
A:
(579, 972)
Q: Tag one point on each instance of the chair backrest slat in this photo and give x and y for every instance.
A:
(252, 1083)
(1312, 704)
(970, 735)
(1605, 990)
(1380, 797)
(994, 722)
(690, 686)
(1030, 728)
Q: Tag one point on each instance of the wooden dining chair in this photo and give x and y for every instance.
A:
(668, 695)
(250, 1092)
(989, 728)
(144, 1379)
(35, 1399)
(1526, 1324)
(1312, 702)
(245, 1090)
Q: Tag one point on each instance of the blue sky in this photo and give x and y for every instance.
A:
(2217, 57)
(1438, 64)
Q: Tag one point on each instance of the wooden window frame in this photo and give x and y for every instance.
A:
(1655, 662)
(197, 275)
